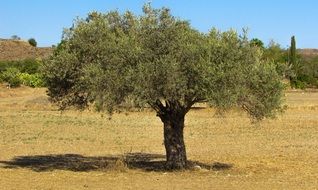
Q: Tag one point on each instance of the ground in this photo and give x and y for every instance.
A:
(42, 148)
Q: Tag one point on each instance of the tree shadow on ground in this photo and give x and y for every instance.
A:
(80, 163)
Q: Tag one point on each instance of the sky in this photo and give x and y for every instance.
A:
(267, 20)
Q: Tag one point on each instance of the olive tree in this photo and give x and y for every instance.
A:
(118, 61)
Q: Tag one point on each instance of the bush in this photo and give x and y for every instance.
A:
(24, 72)
(298, 84)
(11, 76)
(306, 74)
(32, 42)
(4, 65)
(30, 66)
(15, 37)
(32, 80)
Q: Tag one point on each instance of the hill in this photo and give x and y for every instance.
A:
(11, 50)
(308, 53)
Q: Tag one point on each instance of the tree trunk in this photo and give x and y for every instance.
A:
(173, 140)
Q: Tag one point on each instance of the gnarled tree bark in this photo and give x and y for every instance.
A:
(173, 140)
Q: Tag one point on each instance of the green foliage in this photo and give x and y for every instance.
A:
(32, 42)
(24, 72)
(298, 83)
(307, 74)
(292, 51)
(30, 66)
(273, 52)
(242, 77)
(302, 72)
(158, 60)
(11, 76)
(32, 80)
(295, 66)
(257, 42)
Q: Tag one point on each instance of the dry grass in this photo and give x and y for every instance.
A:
(12, 50)
(44, 149)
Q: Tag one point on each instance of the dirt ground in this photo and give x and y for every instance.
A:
(42, 148)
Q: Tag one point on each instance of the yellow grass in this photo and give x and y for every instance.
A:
(40, 148)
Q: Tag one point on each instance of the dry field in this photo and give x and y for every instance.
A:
(41, 148)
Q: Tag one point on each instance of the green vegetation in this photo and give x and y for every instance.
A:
(295, 65)
(11, 76)
(257, 42)
(307, 76)
(299, 70)
(26, 72)
(292, 50)
(32, 42)
(15, 37)
(113, 60)
(32, 80)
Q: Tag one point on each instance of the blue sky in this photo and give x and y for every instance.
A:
(44, 20)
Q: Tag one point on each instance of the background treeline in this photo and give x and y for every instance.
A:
(301, 71)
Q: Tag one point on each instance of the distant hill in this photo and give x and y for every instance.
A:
(308, 53)
(11, 50)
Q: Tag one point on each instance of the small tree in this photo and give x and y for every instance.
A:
(257, 42)
(159, 61)
(274, 52)
(15, 37)
(32, 42)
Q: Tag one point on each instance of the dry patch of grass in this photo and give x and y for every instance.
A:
(42, 148)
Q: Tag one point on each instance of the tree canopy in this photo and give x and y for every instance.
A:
(32, 42)
(113, 60)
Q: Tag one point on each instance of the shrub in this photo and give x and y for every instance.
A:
(11, 76)
(32, 42)
(4, 65)
(26, 72)
(307, 74)
(298, 84)
(32, 80)
(30, 66)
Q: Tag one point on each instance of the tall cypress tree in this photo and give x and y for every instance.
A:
(292, 59)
